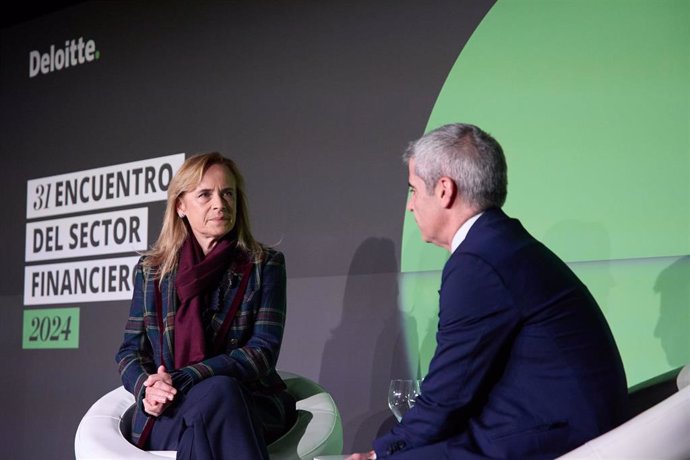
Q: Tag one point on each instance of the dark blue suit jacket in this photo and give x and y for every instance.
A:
(525, 364)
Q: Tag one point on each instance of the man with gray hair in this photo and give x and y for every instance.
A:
(525, 364)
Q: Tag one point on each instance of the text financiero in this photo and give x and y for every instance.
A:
(82, 280)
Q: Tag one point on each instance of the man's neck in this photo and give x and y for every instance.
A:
(462, 232)
(462, 217)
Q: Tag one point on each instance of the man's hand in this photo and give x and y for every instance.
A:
(159, 392)
(364, 456)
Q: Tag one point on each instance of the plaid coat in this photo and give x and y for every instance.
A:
(252, 342)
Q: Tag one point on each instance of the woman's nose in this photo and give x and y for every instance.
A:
(217, 201)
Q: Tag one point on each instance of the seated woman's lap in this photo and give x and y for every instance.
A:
(214, 405)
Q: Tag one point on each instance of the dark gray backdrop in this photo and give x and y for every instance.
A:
(314, 100)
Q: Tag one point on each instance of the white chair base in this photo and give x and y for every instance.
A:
(318, 429)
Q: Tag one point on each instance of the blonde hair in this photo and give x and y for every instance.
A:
(163, 256)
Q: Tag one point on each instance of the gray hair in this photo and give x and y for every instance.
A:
(470, 157)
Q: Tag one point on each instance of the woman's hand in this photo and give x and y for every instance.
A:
(159, 392)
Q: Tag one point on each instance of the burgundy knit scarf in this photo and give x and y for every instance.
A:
(197, 276)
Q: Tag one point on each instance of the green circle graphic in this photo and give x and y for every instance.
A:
(590, 101)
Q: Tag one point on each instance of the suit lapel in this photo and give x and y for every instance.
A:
(239, 288)
(169, 309)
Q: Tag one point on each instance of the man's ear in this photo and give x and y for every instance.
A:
(447, 191)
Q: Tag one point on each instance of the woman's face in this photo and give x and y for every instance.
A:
(211, 206)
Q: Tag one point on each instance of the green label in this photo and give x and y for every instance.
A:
(51, 328)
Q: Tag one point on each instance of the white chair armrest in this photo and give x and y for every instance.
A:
(661, 432)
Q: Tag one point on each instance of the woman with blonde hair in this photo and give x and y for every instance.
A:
(206, 323)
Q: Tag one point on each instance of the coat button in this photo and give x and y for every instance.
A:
(233, 342)
(396, 446)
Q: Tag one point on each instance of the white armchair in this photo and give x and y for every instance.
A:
(318, 429)
(660, 432)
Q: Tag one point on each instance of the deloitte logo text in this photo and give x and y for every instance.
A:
(76, 52)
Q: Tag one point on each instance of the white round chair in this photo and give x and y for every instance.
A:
(317, 431)
(660, 432)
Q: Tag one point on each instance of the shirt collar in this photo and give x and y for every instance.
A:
(463, 231)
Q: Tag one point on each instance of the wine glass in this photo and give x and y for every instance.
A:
(415, 390)
(399, 397)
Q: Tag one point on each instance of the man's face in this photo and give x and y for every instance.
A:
(425, 207)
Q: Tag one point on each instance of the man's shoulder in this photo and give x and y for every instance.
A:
(495, 234)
